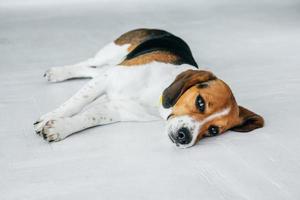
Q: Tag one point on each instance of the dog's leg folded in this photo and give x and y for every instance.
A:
(91, 91)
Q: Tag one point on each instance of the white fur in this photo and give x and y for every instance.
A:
(111, 54)
(127, 94)
(165, 112)
(194, 126)
(134, 91)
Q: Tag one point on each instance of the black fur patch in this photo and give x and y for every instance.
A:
(164, 41)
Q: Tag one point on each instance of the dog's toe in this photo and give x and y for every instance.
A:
(44, 135)
(38, 126)
(53, 138)
(55, 74)
(49, 76)
(52, 131)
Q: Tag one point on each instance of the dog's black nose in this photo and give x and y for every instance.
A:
(183, 136)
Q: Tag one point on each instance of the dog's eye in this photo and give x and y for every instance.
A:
(213, 130)
(200, 104)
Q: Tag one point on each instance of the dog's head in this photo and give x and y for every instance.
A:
(202, 105)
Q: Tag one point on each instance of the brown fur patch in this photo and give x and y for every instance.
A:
(248, 121)
(147, 45)
(184, 81)
(159, 56)
(135, 37)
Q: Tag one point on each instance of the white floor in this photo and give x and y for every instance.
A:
(253, 47)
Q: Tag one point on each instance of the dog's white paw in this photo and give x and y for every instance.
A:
(54, 130)
(38, 126)
(55, 74)
(41, 122)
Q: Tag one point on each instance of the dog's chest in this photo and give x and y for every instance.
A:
(143, 84)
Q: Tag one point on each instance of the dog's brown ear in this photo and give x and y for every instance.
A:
(248, 121)
(184, 81)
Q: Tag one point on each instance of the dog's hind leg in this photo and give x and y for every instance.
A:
(91, 91)
(84, 69)
(110, 54)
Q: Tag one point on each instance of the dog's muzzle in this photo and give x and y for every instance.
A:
(182, 131)
(182, 136)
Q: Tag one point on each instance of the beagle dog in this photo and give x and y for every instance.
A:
(145, 75)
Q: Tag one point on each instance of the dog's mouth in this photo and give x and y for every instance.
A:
(170, 116)
(171, 138)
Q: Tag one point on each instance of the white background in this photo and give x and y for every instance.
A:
(253, 46)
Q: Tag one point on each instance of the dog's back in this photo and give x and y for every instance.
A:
(147, 45)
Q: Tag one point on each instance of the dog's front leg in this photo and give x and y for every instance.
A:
(96, 114)
(99, 114)
(92, 90)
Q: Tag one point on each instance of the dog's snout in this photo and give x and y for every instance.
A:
(183, 131)
(183, 136)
